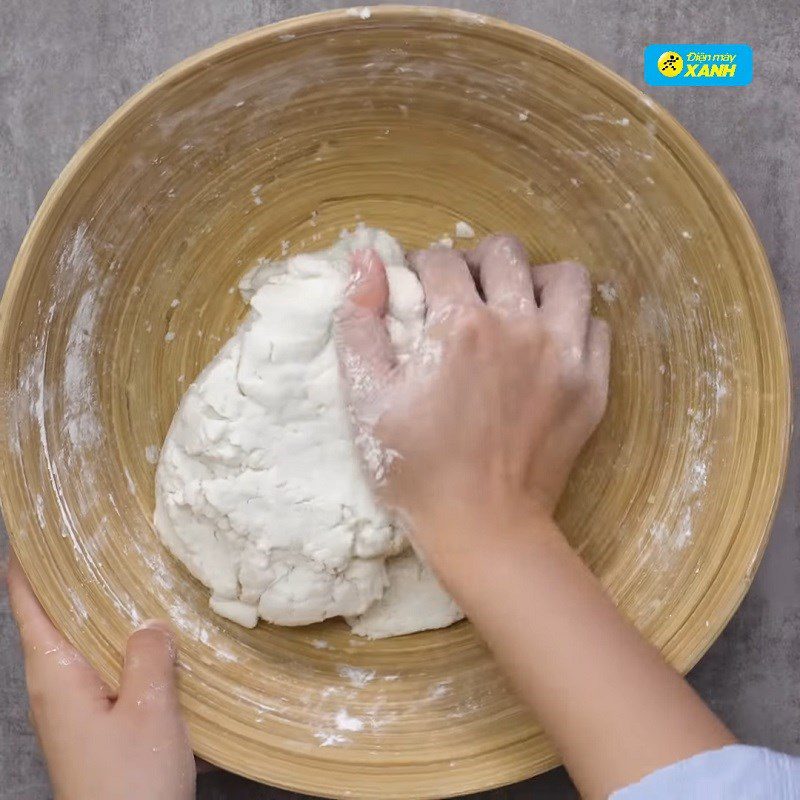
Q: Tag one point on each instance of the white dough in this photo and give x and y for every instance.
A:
(259, 490)
(413, 601)
(464, 230)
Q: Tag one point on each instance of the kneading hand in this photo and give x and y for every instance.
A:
(490, 413)
(477, 432)
(98, 745)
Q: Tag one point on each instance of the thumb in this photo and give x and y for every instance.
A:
(148, 676)
(368, 288)
(365, 351)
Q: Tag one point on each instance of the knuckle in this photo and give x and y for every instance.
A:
(470, 322)
(600, 344)
(501, 244)
(575, 272)
(596, 406)
(155, 698)
(573, 377)
(437, 258)
(603, 331)
(503, 240)
(349, 313)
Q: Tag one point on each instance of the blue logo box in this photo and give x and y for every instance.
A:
(698, 64)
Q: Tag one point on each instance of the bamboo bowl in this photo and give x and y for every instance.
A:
(410, 119)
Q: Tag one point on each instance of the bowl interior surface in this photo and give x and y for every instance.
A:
(410, 120)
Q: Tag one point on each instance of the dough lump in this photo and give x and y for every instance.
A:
(259, 491)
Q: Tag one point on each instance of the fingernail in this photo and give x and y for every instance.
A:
(365, 260)
(158, 625)
(161, 624)
(356, 271)
(166, 628)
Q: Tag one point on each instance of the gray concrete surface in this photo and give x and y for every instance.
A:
(65, 65)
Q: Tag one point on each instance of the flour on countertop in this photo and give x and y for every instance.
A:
(258, 488)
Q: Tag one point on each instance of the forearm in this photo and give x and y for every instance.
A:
(613, 708)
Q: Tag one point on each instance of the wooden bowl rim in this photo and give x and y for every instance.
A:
(698, 160)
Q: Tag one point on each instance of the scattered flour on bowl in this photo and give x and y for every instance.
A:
(40, 510)
(610, 120)
(344, 722)
(362, 12)
(329, 738)
(357, 677)
(78, 606)
(688, 495)
(441, 689)
(663, 540)
(608, 292)
(129, 481)
(77, 264)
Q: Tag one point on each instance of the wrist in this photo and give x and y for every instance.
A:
(457, 536)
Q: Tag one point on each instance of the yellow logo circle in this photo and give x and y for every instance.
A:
(670, 64)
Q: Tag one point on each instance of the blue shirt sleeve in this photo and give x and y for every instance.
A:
(737, 772)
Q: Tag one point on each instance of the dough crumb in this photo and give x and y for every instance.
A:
(608, 292)
(464, 230)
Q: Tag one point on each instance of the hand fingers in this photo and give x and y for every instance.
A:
(56, 673)
(599, 358)
(35, 628)
(148, 675)
(368, 288)
(446, 280)
(505, 274)
(365, 351)
(565, 299)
